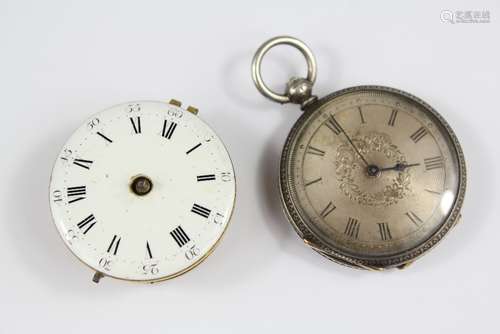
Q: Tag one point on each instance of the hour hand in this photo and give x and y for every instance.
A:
(399, 167)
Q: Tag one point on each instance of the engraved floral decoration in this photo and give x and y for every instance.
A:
(351, 171)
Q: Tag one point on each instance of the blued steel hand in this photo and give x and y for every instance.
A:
(399, 167)
(339, 127)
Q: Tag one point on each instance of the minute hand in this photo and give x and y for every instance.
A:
(338, 126)
(399, 167)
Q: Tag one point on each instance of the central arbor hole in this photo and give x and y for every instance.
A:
(141, 185)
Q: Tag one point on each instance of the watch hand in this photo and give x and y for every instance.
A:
(399, 167)
(334, 121)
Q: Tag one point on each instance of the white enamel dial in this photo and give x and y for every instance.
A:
(142, 191)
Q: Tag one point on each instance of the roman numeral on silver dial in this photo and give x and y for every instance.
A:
(352, 228)
(315, 151)
(434, 163)
(312, 181)
(413, 218)
(333, 125)
(384, 231)
(392, 118)
(83, 163)
(419, 134)
(328, 209)
(361, 116)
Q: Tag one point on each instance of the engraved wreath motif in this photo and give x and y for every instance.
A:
(349, 170)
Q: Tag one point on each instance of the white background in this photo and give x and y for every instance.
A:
(62, 61)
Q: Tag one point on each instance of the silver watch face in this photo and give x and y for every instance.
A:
(372, 176)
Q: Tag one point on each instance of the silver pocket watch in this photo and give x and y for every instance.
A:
(370, 177)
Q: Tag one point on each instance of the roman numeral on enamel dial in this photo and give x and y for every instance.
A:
(114, 244)
(136, 124)
(76, 194)
(104, 137)
(206, 177)
(180, 236)
(87, 223)
(148, 249)
(168, 129)
(200, 210)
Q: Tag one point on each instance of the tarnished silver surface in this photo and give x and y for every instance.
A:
(297, 91)
(340, 252)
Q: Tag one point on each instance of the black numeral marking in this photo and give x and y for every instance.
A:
(76, 193)
(208, 177)
(352, 228)
(328, 209)
(167, 133)
(313, 181)
(193, 148)
(180, 237)
(414, 218)
(136, 125)
(104, 137)
(433, 163)
(113, 246)
(361, 115)
(333, 125)
(385, 232)
(419, 134)
(83, 163)
(315, 151)
(199, 210)
(392, 118)
(433, 192)
(149, 250)
(87, 223)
